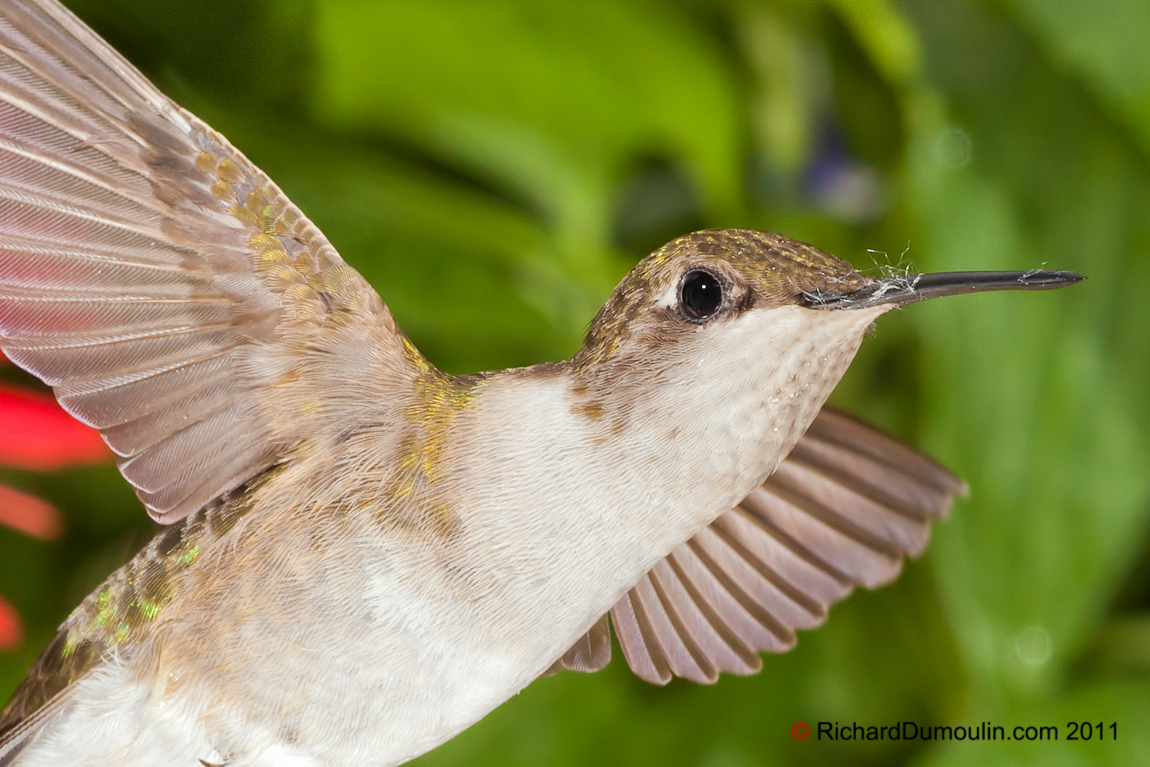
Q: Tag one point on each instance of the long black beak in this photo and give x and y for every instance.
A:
(901, 291)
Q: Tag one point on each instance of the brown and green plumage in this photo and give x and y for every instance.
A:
(123, 610)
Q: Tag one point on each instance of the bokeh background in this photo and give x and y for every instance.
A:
(494, 166)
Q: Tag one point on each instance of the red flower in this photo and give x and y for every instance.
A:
(11, 632)
(36, 434)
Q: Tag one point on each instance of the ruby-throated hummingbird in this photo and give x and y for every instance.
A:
(365, 555)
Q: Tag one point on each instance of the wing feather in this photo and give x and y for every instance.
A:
(731, 611)
(642, 652)
(841, 511)
(593, 651)
(156, 278)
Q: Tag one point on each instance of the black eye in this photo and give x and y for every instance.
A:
(700, 295)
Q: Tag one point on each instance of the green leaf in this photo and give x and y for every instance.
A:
(1031, 397)
(554, 103)
(550, 98)
(1103, 43)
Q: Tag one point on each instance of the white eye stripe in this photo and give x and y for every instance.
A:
(668, 298)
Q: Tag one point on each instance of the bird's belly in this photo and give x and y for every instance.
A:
(372, 696)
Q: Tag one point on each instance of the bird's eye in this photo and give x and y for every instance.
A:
(700, 295)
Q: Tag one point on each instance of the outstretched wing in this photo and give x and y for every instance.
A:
(841, 511)
(164, 286)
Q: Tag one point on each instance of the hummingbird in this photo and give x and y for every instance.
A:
(364, 555)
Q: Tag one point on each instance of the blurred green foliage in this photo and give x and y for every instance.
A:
(494, 166)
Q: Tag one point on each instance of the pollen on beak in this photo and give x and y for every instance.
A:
(900, 291)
